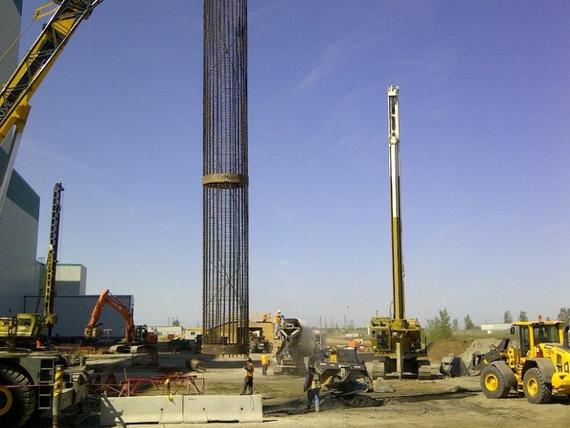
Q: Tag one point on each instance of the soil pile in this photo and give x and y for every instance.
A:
(478, 346)
(438, 349)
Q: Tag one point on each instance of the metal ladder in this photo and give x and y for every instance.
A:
(47, 373)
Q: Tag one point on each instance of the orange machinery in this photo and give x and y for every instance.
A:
(137, 337)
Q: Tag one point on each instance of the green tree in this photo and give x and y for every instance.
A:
(455, 324)
(440, 326)
(564, 315)
(522, 316)
(469, 325)
(507, 317)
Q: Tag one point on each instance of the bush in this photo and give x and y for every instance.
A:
(440, 326)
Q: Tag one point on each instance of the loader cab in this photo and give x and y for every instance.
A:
(546, 334)
(528, 335)
(521, 338)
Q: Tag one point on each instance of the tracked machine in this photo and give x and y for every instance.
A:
(534, 361)
(137, 340)
(396, 340)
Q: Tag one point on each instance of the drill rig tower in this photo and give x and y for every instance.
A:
(396, 341)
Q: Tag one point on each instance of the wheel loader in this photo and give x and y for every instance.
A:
(534, 361)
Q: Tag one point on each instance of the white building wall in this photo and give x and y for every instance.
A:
(18, 243)
(489, 328)
(70, 279)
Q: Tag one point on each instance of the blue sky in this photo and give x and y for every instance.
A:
(484, 95)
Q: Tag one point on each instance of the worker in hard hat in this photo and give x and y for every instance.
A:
(312, 387)
(278, 320)
(248, 378)
(265, 361)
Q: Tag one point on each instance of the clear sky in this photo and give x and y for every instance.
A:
(485, 102)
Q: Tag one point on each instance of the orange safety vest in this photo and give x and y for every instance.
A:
(265, 359)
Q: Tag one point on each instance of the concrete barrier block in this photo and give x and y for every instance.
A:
(138, 410)
(222, 408)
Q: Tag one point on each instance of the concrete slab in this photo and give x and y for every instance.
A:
(222, 408)
(122, 411)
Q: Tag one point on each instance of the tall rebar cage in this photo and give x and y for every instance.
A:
(225, 179)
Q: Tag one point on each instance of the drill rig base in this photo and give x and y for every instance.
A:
(386, 367)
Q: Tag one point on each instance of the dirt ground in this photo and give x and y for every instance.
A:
(434, 403)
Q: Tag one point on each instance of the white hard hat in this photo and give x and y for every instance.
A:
(278, 311)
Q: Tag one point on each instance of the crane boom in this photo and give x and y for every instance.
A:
(21, 86)
(40, 58)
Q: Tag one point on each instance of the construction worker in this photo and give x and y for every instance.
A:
(313, 388)
(278, 320)
(265, 361)
(248, 378)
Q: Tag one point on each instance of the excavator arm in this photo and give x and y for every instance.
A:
(15, 95)
(107, 298)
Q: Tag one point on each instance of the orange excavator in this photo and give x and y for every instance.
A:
(137, 340)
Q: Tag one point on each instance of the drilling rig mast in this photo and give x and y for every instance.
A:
(396, 341)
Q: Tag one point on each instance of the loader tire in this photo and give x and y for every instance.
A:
(493, 382)
(536, 389)
(16, 404)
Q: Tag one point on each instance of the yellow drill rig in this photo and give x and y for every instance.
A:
(396, 340)
(535, 361)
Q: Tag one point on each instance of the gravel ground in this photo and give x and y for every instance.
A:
(436, 403)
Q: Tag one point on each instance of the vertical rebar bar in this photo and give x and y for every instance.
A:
(225, 179)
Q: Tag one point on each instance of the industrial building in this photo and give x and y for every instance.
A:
(10, 18)
(19, 219)
(70, 280)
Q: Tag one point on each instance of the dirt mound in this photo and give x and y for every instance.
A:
(478, 345)
(438, 349)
